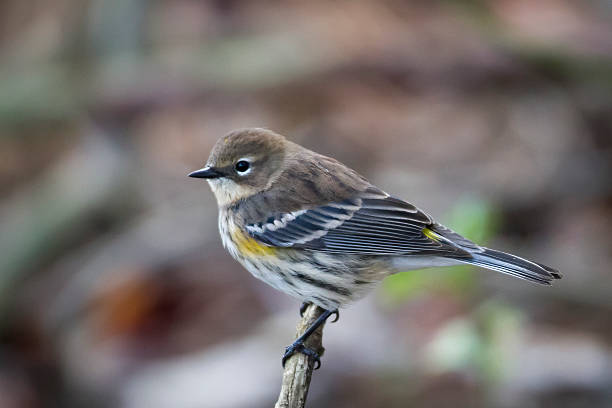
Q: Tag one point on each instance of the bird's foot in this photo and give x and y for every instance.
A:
(299, 347)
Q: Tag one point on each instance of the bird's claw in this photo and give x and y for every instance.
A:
(299, 347)
(304, 307)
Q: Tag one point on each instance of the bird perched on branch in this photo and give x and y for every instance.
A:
(313, 228)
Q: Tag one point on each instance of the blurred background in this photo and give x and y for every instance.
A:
(493, 116)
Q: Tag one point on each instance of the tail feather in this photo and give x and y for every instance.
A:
(513, 265)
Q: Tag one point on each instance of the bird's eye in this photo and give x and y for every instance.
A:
(242, 166)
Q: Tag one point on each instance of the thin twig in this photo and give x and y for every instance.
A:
(298, 369)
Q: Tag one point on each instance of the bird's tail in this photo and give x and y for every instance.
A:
(513, 265)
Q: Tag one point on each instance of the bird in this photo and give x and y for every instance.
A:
(315, 229)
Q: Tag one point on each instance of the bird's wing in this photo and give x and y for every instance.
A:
(371, 223)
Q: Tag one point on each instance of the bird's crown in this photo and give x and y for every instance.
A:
(251, 143)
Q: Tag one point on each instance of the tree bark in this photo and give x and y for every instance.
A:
(299, 367)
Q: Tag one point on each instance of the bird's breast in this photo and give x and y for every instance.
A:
(238, 242)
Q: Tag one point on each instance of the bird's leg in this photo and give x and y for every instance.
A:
(298, 345)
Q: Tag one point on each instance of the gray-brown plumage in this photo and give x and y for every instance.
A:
(315, 229)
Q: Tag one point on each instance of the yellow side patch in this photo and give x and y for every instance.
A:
(247, 245)
(430, 234)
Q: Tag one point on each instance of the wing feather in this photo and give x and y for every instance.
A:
(373, 223)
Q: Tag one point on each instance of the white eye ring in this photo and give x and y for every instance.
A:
(241, 162)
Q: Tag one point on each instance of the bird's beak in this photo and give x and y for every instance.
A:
(207, 173)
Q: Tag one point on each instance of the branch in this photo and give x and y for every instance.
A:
(299, 367)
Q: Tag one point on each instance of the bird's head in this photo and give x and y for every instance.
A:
(242, 163)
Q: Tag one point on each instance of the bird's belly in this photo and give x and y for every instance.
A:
(328, 280)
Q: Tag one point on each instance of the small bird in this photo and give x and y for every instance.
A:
(315, 229)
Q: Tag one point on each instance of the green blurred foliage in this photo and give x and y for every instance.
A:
(481, 342)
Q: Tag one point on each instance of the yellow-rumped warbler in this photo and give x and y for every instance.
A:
(315, 229)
